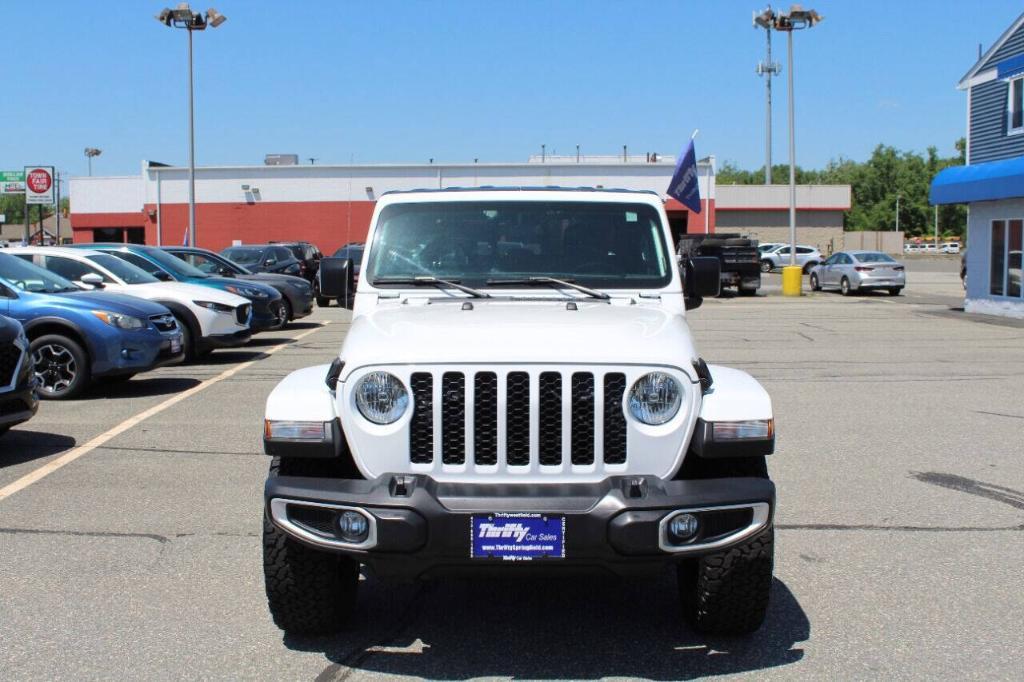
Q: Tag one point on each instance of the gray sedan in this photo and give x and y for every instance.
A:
(852, 271)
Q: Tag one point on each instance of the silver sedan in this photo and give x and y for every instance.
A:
(852, 271)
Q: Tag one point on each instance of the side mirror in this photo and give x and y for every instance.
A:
(701, 278)
(337, 280)
(92, 279)
(163, 276)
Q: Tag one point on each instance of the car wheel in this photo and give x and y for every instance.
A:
(815, 286)
(61, 367)
(727, 593)
(282, 313)
(895, 291)
(187, 343)
(844, 287)
(767, 266)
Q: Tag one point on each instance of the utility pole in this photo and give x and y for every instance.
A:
(898, 195)
(768, 68)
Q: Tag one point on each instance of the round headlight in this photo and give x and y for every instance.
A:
(655, 398)
(381, 397)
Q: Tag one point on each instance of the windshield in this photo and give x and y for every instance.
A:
(244, 256)
(353, 252)
(29, 277)
(211, 263)
(606, 245)
(874, 258)
(123, 270)
(174, 266)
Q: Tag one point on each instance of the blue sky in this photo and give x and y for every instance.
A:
(390, 81)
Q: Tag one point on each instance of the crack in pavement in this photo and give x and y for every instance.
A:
(991, 491)
(162, 539)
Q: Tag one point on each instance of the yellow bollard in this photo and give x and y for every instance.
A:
(792, 279)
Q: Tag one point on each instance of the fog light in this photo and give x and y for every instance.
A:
(353, 526)
(683, 527)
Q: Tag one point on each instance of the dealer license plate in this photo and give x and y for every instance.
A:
(517, 537)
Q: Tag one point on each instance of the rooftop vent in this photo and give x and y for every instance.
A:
(281, 160)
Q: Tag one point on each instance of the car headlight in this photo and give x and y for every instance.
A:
(119, 320)
(655, 398)
(247, 292)
(216, 307)
(381, 397)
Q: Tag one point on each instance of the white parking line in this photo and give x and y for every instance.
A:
(73, 454)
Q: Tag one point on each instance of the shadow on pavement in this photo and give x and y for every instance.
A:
(21, 445)
(230, 357)
(141, 387)
(547, 629)
(264, 341)
(298, 326)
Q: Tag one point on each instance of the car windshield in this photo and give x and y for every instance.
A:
(174, 266)
(122, 269)
(211, 263)
(29, 277)
(244, 255)
(874, 257)
(608, 245)
(353, 252)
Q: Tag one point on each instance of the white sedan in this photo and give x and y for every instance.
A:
(208, 318)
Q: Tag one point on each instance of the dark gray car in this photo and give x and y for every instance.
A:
(296, 292)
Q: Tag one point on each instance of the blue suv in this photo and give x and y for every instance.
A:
(267, 305)
(76, 336)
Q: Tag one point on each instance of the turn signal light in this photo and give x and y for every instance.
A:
(756, 429)
(294, 430)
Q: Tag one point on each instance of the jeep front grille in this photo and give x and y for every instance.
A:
(544, 418)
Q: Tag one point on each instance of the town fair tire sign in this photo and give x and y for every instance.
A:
(39, 187)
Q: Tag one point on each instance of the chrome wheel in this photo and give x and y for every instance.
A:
(55, 367)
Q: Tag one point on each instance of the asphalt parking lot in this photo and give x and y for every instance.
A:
(129, 547)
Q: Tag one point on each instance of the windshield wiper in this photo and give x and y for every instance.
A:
(552, 282)
(434, 281)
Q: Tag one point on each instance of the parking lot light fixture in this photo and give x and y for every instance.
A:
(90, 152)
(182, 16)
(796, 19)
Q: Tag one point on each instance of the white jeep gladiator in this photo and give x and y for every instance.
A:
(519, 390)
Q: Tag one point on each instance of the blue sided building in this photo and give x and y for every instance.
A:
(992, 181)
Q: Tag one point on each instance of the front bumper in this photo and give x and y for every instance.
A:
(18, 406)
(233, 340)
(420, 526)
(263, 313)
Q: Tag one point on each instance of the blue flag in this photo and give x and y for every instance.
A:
(683, 185)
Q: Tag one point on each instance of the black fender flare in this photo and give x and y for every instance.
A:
(53, 321)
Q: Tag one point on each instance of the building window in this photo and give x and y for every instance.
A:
(1015, 107)
(998, 263)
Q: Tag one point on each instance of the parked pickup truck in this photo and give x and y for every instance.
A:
(519, 391)
(738, 258)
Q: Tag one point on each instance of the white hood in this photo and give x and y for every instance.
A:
(182, 291)
(518, 333)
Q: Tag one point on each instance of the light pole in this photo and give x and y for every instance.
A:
(182, 16)
(89, 153)
(796, 19)
(767, 68)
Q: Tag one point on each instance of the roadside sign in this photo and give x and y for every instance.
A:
(12, 182)
(39, 186)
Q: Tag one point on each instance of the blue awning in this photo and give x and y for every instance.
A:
(979, 182)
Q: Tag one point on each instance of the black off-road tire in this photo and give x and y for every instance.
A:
(309, 591)
(727, 593)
